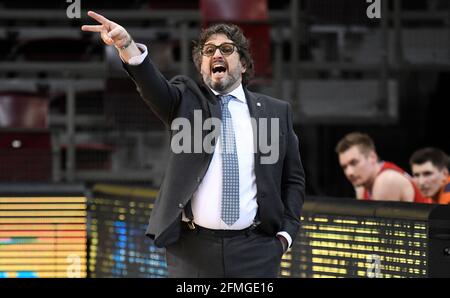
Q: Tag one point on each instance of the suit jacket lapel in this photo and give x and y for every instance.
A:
(214, 109)
(256, 110)
(213, 103)
(256, 107)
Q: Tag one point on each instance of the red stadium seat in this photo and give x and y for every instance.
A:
(21, 110)
(25, 156)
(25, 141)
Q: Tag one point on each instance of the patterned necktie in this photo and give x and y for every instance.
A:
(230, 166)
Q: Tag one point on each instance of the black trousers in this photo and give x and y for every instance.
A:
(200, 254)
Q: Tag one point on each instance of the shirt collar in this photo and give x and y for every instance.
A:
(238, 93)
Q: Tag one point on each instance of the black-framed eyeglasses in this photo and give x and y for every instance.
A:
(226, 48)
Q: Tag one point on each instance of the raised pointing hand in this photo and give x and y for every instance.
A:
(110, 32)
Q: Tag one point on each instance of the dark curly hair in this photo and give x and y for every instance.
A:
(235, 34)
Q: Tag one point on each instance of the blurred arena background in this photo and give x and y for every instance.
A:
(82, 156)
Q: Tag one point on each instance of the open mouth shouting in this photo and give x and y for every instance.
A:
(218, 70)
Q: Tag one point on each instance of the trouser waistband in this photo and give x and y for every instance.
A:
(219, 233)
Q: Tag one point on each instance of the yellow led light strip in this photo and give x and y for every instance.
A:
(63, 246)
(41, 206)
(50, 274)
(41, 254)
(42, 213)
(43, 235)
(37, 267)
(49, 240)
(38, 220)
(37, 261)
(42, 227)
(6, 234)
(44, 247)
(43, 200)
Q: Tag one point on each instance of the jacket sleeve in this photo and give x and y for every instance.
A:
(293, 182)
(162, 96)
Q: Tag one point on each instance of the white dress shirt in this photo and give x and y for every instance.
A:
(206, 201)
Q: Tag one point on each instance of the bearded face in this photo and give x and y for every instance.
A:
(221, 67)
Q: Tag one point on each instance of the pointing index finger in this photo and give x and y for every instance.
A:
(92, 28)
(99, 18)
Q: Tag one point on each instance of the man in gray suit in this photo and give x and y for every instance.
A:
(232, 208)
